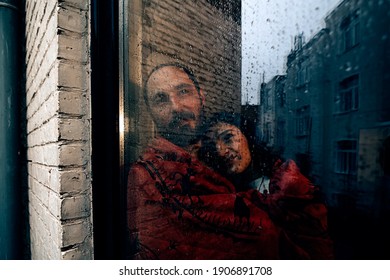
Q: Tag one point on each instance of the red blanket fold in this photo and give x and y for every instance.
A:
(180, 209)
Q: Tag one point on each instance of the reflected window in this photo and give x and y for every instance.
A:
(350, 30)
(281, 98)
(346, 157)
(267, 99)
(302, 121)
(302, 76)
(347, 98)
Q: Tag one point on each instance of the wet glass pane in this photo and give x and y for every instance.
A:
(237, 111)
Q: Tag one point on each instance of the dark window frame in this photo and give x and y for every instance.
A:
(346, 156)
(347, 95)
(350, 29)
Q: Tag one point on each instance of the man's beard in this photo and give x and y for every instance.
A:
(182, 138)
(179, 133)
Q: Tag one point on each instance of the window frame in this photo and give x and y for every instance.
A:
(302, 75)
(302, 121)
(350, 31)
(352, 87)
(348, 170)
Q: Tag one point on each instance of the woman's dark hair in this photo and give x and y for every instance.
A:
(263, 157)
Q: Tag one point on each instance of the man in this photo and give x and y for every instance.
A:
(179, 208)
(175, 101)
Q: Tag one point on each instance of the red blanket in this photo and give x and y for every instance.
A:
(180, 209)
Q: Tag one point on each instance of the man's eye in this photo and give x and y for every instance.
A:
(184, 91)
(160, 98)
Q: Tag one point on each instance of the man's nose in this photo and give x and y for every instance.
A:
(176, 104)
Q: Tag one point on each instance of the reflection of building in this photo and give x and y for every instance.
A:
(359, 71)
(338, 120)
(359, 117)
(272, 114)
(336, 96)
(306, 86)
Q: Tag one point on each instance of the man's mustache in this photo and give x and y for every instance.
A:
(178, 117)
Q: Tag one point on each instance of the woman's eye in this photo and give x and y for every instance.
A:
(228, 138)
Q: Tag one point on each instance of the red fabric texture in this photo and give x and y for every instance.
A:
(180, 209)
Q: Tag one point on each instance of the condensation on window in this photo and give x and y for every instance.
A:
(308, 81)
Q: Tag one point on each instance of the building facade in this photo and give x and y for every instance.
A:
(359, 73)
(58, 129)
(306, 86)
(272, 113)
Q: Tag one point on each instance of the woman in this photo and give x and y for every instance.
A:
(291, 200)
(227, 150)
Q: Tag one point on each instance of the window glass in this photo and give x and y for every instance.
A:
(346, 157)
(350, 30)
(301, 84)
(347, 98)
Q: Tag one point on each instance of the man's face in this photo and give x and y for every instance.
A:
(175, 104)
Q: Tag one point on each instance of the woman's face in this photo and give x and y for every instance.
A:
(232, 147)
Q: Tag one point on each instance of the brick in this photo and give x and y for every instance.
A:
(72, 20)
(73, 154)
(47, 133)
(76, 207)
(39, 190)
(44, 113)
(73, 48)
(72, 103)
(45, 231)
(46, 154)
(81, 252)
(54, 204)
(82, 5)
(73, 181)
(72, 76)
(75, 233)
(36, 96)
(72, 129)
(54, 179)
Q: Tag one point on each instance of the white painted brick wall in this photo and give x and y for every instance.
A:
(58, 128)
